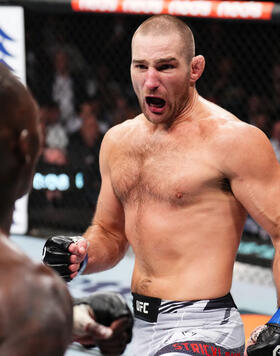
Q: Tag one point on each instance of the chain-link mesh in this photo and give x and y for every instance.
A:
(78, 70)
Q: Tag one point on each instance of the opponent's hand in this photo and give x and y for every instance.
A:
(85, 329)
(65, 254)
(110, 310)
(116, 344)
(253, 337)
(264, 341)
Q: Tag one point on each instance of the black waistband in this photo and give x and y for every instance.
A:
(148, 308)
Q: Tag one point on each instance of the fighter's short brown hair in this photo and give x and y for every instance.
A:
(164, 24)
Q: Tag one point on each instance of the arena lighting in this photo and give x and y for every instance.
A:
(264, 251)
(61, 182)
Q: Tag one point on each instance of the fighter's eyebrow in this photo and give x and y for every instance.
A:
(167, 59)
(157, 61)
(138, 61)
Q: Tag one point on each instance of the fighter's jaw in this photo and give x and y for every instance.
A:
(155, 117)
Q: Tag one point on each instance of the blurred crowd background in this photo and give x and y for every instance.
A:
(78, 70)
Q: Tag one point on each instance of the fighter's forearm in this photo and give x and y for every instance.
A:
(105, 249)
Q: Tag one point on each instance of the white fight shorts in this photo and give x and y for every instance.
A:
(201, 328)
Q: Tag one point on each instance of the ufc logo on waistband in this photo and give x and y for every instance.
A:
(142, 307)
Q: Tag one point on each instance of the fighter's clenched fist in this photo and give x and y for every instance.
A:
(66, 255)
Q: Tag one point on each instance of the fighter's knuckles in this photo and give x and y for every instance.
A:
(56, 254)
(73, 275)
(74, 267)
(81, 250)
(73, 259)
(72, 248)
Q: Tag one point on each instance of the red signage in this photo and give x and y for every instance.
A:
(192, 8)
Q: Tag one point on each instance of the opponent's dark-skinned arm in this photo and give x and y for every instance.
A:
(36, 312)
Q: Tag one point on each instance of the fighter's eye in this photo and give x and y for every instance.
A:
(166, 66)
(140, 66)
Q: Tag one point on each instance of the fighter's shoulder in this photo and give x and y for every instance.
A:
(238, 135)
(228, 129)
(121, 131)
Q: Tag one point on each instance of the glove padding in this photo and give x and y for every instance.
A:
(57, 256)
(267, 343)
(107, 308)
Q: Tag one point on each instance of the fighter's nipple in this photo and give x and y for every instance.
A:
(179, 195)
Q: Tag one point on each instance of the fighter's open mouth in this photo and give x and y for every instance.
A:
(155, 102)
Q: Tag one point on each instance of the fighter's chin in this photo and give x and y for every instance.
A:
(155, 118)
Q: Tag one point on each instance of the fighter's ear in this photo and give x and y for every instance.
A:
(24, 146)
(197, 68)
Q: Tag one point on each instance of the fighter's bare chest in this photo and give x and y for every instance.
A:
(176, 175)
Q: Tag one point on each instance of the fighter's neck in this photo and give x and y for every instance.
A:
(189, 111)
(190, 107)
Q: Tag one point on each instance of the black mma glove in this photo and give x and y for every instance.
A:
(107, 307)
(57, 256)
(268, 340)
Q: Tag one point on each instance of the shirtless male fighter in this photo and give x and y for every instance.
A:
(177, 183)
(36, 309)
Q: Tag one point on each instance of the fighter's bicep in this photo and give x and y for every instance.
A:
(255, 181)
(109, 213)
(259, 197)
(109, 206)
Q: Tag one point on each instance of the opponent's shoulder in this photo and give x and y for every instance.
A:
(25, 275)
(34, 301)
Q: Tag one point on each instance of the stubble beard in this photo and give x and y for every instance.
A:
(156, 119)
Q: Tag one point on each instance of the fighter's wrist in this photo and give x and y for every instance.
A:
(83, 265)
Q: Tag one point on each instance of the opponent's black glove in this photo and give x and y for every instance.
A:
(57, 256)
(107, 307)
(267, 343)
